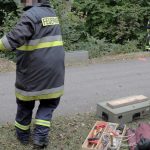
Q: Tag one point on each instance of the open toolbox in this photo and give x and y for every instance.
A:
(105, 136)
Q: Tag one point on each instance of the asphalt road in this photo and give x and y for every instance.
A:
(85, 86)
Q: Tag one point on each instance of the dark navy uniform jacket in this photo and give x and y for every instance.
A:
(40, 54)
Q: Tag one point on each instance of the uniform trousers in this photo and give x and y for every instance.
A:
(42, 118)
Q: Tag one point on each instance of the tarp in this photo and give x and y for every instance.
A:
(139, 139)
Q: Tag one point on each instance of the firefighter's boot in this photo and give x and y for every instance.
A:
(41, 143)
(23, 136)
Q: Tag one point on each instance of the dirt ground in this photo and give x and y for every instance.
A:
(67, 133)
(7, 65)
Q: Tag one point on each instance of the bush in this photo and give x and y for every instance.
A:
(8, 15)
(8, 18)
(97, 48)
(106, 26)
(72, 25)
(101, 27)
(118, 21)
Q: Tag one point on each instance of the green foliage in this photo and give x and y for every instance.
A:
(100, 26)
(72, 29)
(8, 18)
(106, 26)
(9, 55)
(118, 22)
(9, 22)
(99, 48)
(72, 25)
(6, 7)
(8, 15)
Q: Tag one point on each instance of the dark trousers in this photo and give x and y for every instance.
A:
(42, 118)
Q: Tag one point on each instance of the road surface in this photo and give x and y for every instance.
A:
(85, 86)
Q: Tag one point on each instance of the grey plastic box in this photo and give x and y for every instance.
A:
(123, 114)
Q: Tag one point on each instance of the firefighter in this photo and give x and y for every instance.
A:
(148, 36)
(37, 40)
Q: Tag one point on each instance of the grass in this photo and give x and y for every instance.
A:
(67, 133)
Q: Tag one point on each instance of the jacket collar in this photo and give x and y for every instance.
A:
(37, 5)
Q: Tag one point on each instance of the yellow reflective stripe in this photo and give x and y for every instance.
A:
(22, 126)
(2, 47)
(40, 45)
(39, 97)
(42, 92)
(42, 122)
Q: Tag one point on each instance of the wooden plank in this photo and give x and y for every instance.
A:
(126, 101)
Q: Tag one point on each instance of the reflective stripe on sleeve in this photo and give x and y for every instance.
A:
(6, 43)
(22, 127)
(2, 47)
(42, 122)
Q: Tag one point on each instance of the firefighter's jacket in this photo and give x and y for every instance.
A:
(40, 54)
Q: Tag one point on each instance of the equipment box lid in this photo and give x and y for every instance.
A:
(124, 109)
